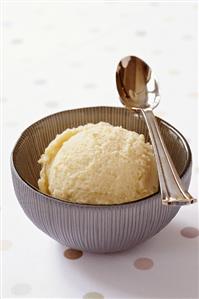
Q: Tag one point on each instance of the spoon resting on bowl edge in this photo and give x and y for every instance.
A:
(139, 90)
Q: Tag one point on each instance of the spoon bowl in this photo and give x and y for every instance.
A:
(136, 84)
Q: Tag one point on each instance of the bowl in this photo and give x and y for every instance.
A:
(93, 228)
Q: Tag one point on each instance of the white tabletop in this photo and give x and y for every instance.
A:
(60, 55)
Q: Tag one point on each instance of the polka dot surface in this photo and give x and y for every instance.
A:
(11, 124)
(51, 104)
(93, 295)
(40, 81)
(7, 24)
(194, 95)
(75, 64)
(154, 4)
(94, 30)
(174, 72)
(109, 48)
(190, 232)
(90, 86)
(17, 41)
(187, 37)
(5, 245)
(64, 56)
(157, 52)
(73, 254)
(143, 263)
(169, 19)
(4, 99)
(21, 289)
(141, 33)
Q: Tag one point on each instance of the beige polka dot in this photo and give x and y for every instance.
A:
(93, 295)
(187, 37)
(7, 24)
(174, 72)
(94, 30)
(190, 232)
(51, 104)
(143, 263)
(49, 27)
(110, 48)
(157, 52)
(11, 124)
(40, 81)
(75, 64)
(4, 99)
(90, 85)
(73, 254)
(17, 41)
(5, 245)
(21, 289)
(169, 19)
(140, 33)
(154, 4)
(123, 14)
(193, 95)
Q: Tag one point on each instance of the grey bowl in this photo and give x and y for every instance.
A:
(94, 228)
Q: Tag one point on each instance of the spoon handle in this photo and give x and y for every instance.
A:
(172, 189)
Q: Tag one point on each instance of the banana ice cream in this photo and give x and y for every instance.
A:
(98, 164)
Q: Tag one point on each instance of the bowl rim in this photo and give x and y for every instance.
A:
(65, 202)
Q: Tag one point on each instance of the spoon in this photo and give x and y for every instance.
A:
(139, 90)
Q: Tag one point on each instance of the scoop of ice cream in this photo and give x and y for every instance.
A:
(98, 164)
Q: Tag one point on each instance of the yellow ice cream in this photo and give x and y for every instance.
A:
(98, 164)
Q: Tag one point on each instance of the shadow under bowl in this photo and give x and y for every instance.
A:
(93, 228)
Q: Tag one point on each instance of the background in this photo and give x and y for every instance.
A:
(61, 55)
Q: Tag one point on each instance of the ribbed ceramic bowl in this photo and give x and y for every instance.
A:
(92, 228)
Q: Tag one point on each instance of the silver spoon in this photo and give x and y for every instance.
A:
(138, 90)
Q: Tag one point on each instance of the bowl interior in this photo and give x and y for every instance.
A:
(35, 139)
